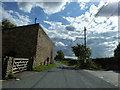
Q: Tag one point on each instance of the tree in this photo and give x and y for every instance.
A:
(7, 24)
(60, 55)
(117, 52)
(82, 52)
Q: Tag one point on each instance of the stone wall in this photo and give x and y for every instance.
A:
(44, 50)
(0, 53)
(7, 64)
(20, 41)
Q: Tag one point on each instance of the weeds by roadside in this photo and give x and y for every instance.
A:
(44, 67)
(88, 66)
(10, 76)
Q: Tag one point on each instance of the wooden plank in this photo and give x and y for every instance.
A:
(21, 59)
(20, 64)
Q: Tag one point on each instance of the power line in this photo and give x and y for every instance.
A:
(99, 12)
(85, 37)
(107, 19)
(96, 14)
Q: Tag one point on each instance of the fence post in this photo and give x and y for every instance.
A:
(4, 66)
(9, 65)
(30, 64)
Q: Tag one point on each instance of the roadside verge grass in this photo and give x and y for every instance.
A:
(89, 66)
(63, 62)
(44, 67)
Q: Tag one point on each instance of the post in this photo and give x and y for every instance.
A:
(85, 36)
(9, 65)
(35, 20)
(85, 42)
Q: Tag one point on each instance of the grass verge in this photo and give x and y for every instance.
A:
(78, 65)
(63, 62)
(44, 67)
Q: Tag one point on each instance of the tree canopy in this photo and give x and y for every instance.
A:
(7, 24)
(81, 51)
(60, 55)
(117, 52)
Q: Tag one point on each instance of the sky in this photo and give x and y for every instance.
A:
(64, 22)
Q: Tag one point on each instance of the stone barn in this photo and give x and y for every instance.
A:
(28, 41)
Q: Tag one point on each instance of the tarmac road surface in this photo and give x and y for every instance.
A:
(61, 76)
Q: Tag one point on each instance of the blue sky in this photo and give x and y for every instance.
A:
(64, 22)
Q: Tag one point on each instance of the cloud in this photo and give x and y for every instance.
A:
(70, 28)
(52, 7)
(83, 6)
(48, 7)
(101, 34)
(83, 0)
(93, 9)
(60, 44)
(106, 10)
(57, 29)
(26, 6)
(15, 17)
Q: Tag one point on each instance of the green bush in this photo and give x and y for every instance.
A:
(90, 65)
(60, 55)
(11, 76)
(6, 78)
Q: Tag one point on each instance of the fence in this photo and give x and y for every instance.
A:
(15, 65)
(19, 64)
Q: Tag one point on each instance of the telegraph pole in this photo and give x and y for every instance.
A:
(85, 36)
(35, 20)
(85, 42)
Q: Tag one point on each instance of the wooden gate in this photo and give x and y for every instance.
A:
(19, 64)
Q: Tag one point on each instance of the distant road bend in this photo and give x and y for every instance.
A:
(61, 76)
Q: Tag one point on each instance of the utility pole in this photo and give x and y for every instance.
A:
(85, 36)
(85, 42)
(35, 20)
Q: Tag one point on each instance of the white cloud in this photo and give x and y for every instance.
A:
(15, 17)
(57, 29)
(101, 36)
(52, 7)
(83, 0)
(26, 6)
(93, 9)
(101, 33)
(83, 5)
(60, 44)
(106, 10)
(48, 7)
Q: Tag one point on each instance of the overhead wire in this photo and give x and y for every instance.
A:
(105, 21)
(97, 14)
(93, 18)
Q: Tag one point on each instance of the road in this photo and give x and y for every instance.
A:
(61, 76)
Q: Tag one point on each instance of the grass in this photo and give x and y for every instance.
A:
(44, 67)
(88, 67)
(63, 62)
(71, 59)
(10, 76)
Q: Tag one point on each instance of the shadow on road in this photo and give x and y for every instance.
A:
(69, 68)
(116, 71)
